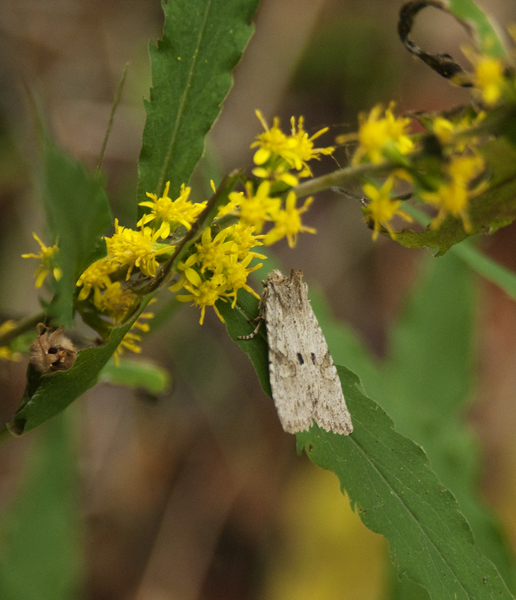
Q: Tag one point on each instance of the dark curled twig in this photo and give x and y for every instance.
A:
(440, 63)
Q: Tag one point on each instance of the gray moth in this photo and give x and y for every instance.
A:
(304, 381)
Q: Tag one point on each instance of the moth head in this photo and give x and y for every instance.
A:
(51, 351)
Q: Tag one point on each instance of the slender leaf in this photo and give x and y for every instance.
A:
(138, 374)
(408, 534)
(487, 267)
(390, 483)
(476, 260)
(48, 395)
(487, 34)
(240, 321)
(78, 216)
(191, 75)
(41, 552)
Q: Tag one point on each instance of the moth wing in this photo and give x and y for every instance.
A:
(294, 406)
(329, 409)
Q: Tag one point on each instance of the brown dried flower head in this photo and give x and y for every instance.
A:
(51, 351)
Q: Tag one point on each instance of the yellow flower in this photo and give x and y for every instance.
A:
(378, 135)
(131, 339)
(236, 276)
(47, 265)
(5, 352)
(212, 253)
(301, 147)
(168, 214)
(287, 222)
(271, 141)
(453, 195)
(257, 208)
(206, 294)
(243, 236)
(489, 78)
(382, 207)
(96, 276)
(136, 249)
(114, 301)
(233, 204)
(278, 153)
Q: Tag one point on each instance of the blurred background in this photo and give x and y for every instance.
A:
(198, 493)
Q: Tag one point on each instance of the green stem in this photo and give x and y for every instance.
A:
(20, 327)
(343, 176)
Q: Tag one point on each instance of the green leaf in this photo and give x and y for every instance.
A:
(78, 216)
(390, 483)
(136, 374)
(476, 260)
(493, 209)
(486, 34)
(241, 321)
(41, 556)
(427, 383)
(487, 267)
(48, 395)
(191, 75)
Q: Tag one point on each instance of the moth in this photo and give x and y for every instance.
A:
(51, 351)
(304, 381)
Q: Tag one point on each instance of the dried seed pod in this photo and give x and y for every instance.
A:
(51, 350)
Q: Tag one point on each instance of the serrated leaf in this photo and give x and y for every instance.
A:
(41, 546)
(48, 395)
(78, 216)
(487, 212)
(191, 75)
(390, 483)
(136, 374)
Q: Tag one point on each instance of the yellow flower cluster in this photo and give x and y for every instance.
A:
(219, 264)
(384, 137)
(219, 267)
(127, 249)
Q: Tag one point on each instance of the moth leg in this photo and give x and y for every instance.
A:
(259, 318)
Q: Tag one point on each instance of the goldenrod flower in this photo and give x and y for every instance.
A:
(278, 153)
(47, 265)
(212, 253)
(245, 239)
(5, 352)
(169, 214)
(453, 195)
(114, 301)
(236, 274)
(136, 249)
(131, 339)
(96, 277)
(488, 77)
(206, 294)
(257, 207)
(380, 133)
(287, 222)
(382, 207)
